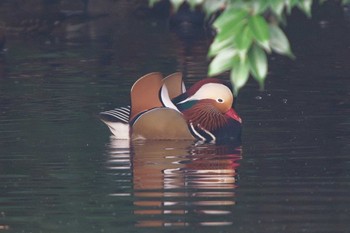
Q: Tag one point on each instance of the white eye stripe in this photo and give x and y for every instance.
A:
(211, 91)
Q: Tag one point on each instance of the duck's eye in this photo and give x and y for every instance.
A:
(220, 100)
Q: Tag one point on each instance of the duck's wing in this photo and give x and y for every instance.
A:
(174, 84)
(161, 124)
(145, 93)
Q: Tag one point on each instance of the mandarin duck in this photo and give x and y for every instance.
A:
(162, 109)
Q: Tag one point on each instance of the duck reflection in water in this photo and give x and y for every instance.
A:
(178, 183)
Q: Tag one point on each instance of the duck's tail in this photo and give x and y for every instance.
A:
(117, 121)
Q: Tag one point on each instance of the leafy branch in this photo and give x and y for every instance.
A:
(246, 32)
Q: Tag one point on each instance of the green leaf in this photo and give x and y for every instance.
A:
(217, 46)
(260, 30)
(277, 7)
(225, 37)
(290, 4)
(239, 74)
(305, 5)
(228, 26)
(259, 7)
(258, 64)
(211, 6)
(230, 30)
(194, 3)
(151, 3)
(229, 17)
(244, 40)
(176, 4)
(222, 62)
(279, 41)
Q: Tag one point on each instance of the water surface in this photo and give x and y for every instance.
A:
(61, 171)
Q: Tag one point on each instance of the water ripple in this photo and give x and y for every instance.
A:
(174, 183)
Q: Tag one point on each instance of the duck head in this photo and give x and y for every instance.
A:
(207, 108)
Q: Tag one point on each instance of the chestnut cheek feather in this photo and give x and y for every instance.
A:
(206, 116)
(233, 114)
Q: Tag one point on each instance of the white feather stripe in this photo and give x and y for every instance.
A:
(119, 117)
(183, 87)
(196, 132)
(123, 110)
(212, 91)
(122, 114)
(209, 133)
(119, 130)
(117, 113)
(164, 97)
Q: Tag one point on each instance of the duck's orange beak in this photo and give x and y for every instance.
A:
(233, 114)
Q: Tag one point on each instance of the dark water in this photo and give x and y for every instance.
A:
(61, 172)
